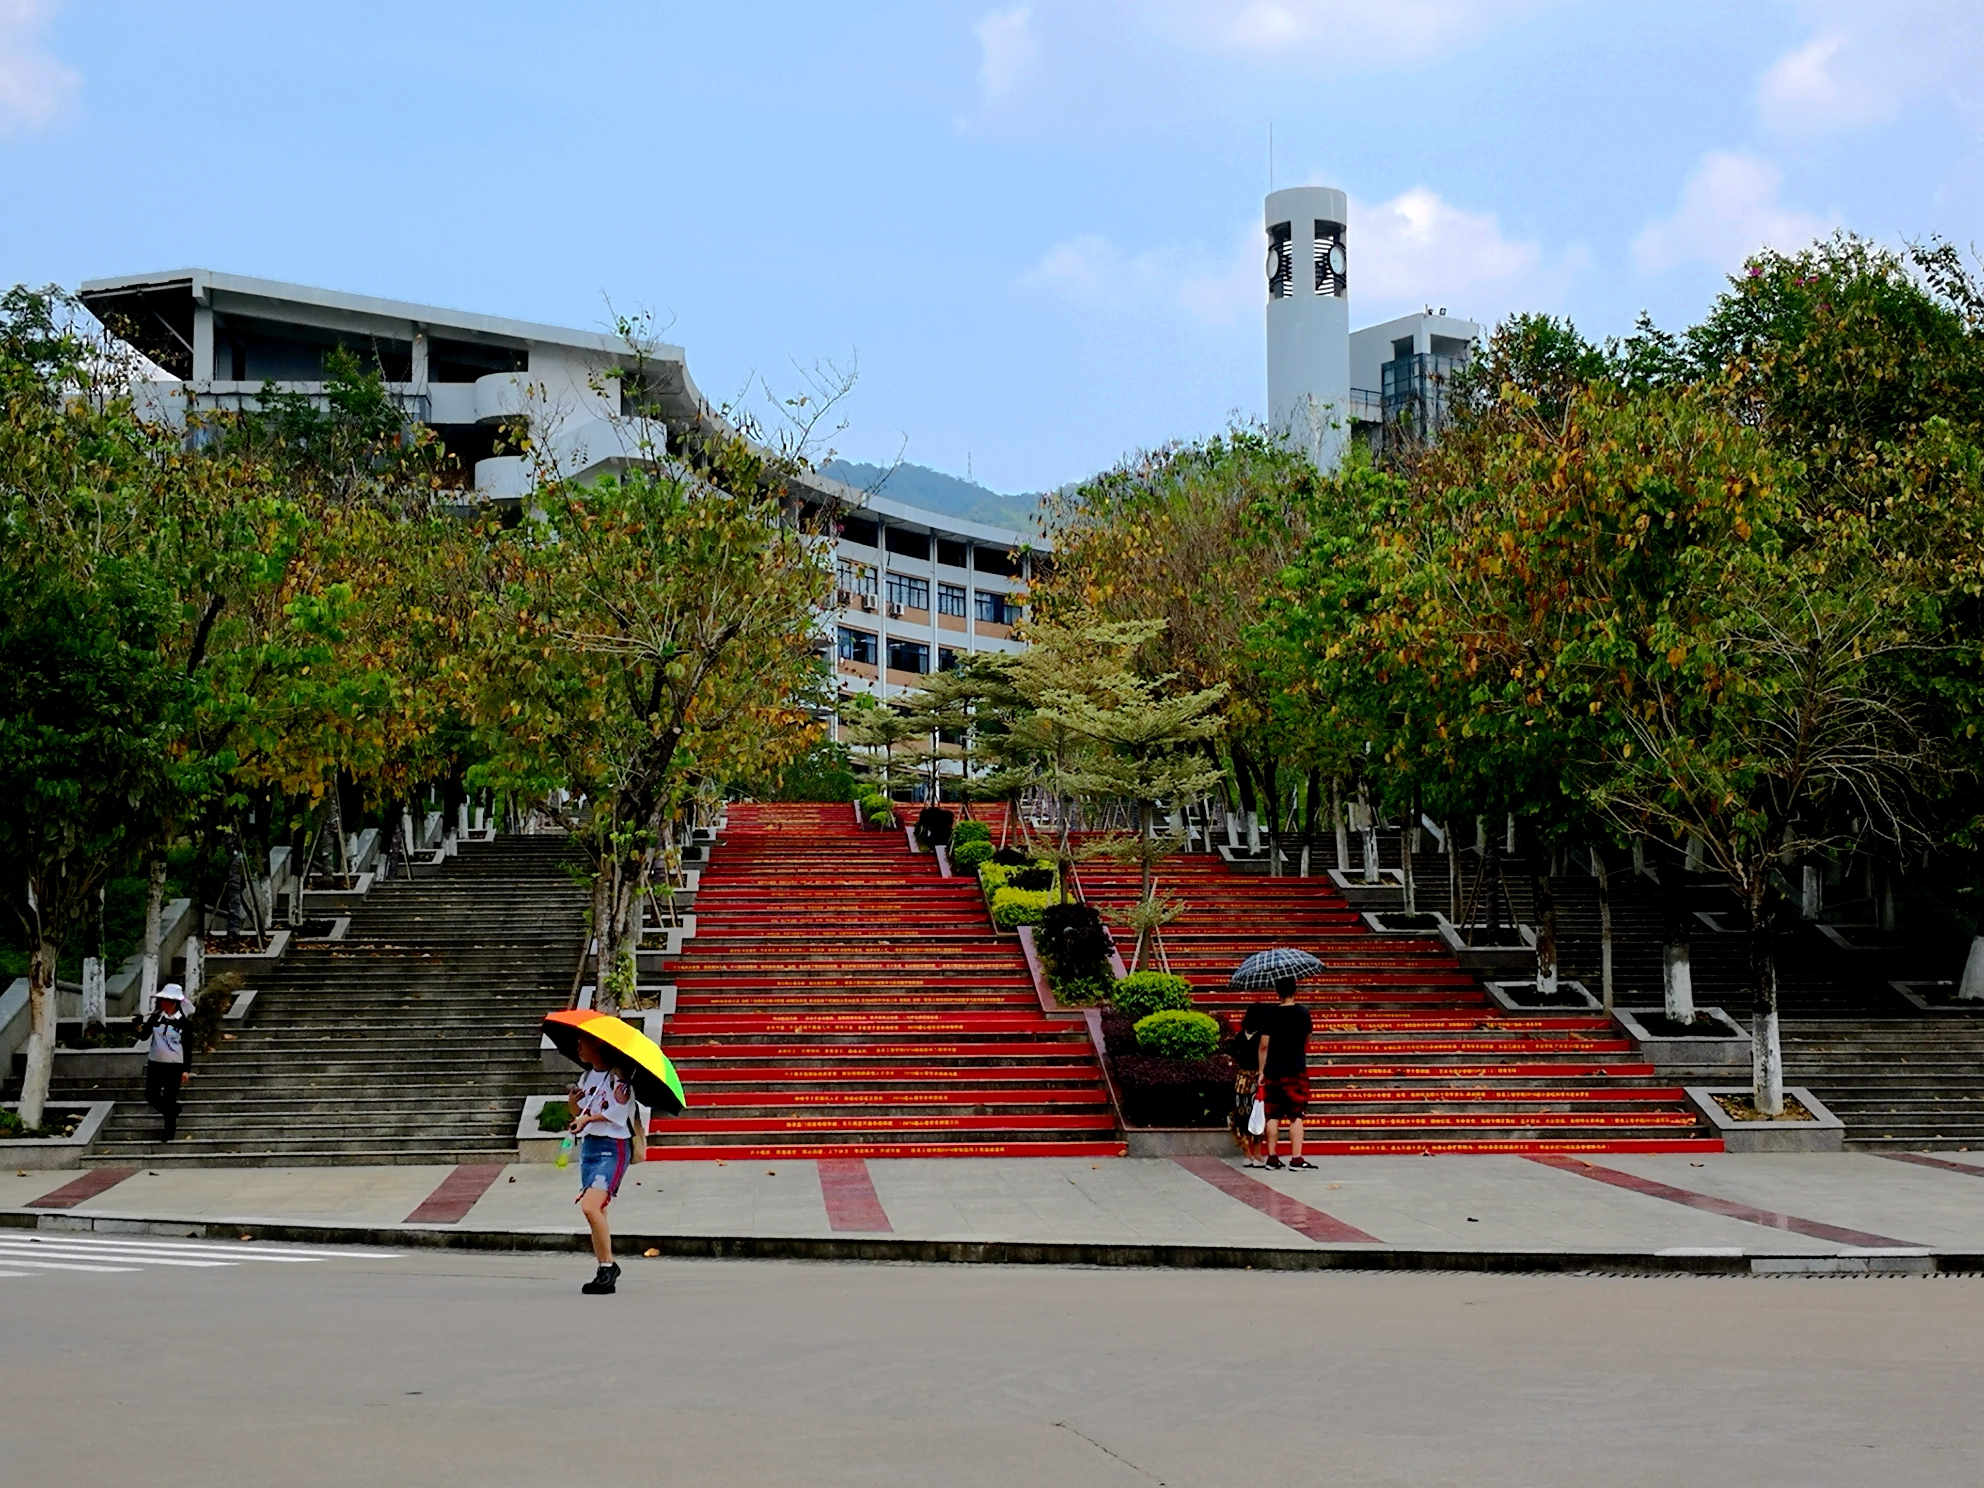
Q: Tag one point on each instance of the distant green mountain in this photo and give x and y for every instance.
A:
(919, 485)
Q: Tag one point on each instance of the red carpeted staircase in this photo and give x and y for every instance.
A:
(842, 999)
(1409, 1055)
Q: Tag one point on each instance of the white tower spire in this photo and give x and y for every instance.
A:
(1308, 320)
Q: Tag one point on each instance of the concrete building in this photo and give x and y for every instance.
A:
(1326, 383)
(916, 588)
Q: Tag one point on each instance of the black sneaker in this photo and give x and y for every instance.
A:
(602, 1284)
(1302, 1162)
(1273, 1162)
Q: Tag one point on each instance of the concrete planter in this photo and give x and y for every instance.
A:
(1722, 1043)
(1509, 996)
(340, 927)
(1179, 1141)
(534, 1146)
(1387, 893)
(243, 960)
(333, 902)
(1242, 861)
(1938, 997)
(116, 1063)
(1825, 1134)
(1429, 929)
(56, 1152)
(1489, 959)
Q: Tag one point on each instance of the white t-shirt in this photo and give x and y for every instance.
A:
(603, 1093)
(168, 1043)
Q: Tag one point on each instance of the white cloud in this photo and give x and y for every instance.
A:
(1385, 32)
(1413, 249)
(1729, 208)
(1864, 63)
(34, 85)
(1008, 52)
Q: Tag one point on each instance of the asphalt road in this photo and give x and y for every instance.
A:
(472, 1369)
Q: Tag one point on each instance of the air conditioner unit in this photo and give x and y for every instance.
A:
(895, 612)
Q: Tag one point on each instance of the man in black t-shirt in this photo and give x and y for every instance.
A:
(1284, 1069)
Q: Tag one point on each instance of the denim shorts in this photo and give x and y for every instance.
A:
(603, 1162)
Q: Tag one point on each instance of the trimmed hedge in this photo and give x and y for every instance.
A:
(1176, 1033)
(934, 826)
(971, 831)
(969, 853)
(1012, 857)
(1012, 908)
(1142, 993)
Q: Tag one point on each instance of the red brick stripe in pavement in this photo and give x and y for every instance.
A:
(1922, 1159)
(1810, 1228)
(79, 1190)
(1275, 1204)
(852, 1203)
(457, 1194)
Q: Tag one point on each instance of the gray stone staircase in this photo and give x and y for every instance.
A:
(411, 1040)
(1905, 1084)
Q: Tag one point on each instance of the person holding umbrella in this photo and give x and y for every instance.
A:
(1283, 1071)
(621, 1066)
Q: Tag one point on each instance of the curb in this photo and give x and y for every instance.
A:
(1023, 1253)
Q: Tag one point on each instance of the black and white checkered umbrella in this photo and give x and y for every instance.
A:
(1265, 968)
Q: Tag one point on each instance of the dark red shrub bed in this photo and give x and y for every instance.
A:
(1166, 1092)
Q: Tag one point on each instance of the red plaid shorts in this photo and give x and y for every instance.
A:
(1286, 1096)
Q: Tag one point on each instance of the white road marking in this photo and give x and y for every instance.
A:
(77, 1253)
(67, 1266)
(243, 1252)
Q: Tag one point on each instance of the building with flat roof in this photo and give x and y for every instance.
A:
(916, 588)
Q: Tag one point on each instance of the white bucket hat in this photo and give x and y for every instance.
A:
(171, 991)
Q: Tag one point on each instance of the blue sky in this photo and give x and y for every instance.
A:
(1036, 225)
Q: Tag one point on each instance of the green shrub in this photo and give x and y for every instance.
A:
(995, 875)
(1142, 993)
(1080, 991)
(971, 853)
(971, 831)
(1014, 907)
(555, 1116)
(1178, 1033)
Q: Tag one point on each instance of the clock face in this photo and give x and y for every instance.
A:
(1274, 262)
(1336, 258)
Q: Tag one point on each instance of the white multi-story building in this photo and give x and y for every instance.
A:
(916, 588)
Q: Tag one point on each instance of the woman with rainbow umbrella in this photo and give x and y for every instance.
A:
(621, 1070)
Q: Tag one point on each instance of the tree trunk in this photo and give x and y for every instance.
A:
(41, 1030)
(1453, 874)
(1367, 827)
(1143, 882)
(1813, 899)
(1405, 845)
(602, 932)
(1766, 1053)
(93, 1008)
(1676, 972)
(1543, 904)
(1971, 988)
(1271, 796)
(196, 957)
(1490, 885)
(154, 915)
(1604, 877)
(1312, 805)
(1338, 825)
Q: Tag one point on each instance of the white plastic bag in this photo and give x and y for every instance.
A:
(1257, 1118)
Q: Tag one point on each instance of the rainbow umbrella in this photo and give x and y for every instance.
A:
(656, 1085)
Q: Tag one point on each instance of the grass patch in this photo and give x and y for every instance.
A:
(555, 1117)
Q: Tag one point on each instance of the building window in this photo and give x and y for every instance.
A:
(857, 645)
(856, 530)
(950, 600)
(997, 609)
(947, 659)
(909, 544)
(911, 593)
(908, 656)
(950, 554)
(994, 561)
(857, 578)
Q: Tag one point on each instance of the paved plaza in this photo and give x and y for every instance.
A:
(1716, 1211)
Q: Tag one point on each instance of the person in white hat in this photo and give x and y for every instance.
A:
(165, 1065)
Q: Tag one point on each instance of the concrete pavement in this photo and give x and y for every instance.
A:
(1717, 1212)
